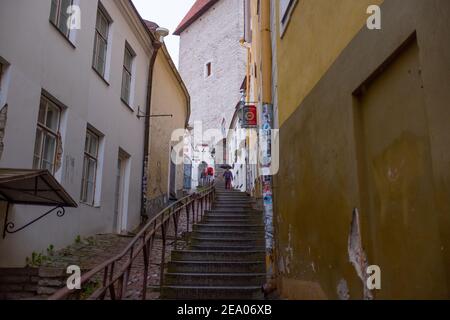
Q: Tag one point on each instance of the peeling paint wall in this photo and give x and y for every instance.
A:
(357, 255)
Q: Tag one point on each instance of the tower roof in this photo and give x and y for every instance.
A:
(197, 10)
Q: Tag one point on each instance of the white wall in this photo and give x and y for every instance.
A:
(41, 58)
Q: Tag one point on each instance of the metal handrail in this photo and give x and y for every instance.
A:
(115, 283)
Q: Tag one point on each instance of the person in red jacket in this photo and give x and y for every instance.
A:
(210, 173)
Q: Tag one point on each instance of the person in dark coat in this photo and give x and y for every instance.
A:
(228, 175)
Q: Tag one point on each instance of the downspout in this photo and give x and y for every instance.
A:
(266, 53)
(267, 107)
(247, 46)
(156, 46)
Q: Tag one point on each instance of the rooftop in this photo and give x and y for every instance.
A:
(197, 10)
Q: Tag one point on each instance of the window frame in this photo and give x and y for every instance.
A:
(47, 131)
(127, 70)
(2, 68)
(105, 38)
(87, 156)
(2, 73)
(285, 17)
(56, 19)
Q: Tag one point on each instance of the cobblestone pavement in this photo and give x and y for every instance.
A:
(92, 251)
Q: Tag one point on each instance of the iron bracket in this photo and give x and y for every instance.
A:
(9, 226)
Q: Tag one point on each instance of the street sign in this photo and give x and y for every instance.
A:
(250, 117)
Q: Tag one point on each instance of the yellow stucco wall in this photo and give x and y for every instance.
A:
(361, 126)
(317, 33)
(168, 97)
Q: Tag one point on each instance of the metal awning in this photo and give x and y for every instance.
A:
(32, 187)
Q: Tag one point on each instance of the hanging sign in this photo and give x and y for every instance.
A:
(250, 117)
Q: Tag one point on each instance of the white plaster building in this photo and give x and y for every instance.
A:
(212, 64)
(82, 109)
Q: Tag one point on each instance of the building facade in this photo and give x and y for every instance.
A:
(212, 65)
(72, 96)
(363, 176)
(170, 110)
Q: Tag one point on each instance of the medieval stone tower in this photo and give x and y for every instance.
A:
(212, 62)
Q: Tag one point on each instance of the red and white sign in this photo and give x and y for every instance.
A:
(250, 117)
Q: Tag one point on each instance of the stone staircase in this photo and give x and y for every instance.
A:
(225, 258)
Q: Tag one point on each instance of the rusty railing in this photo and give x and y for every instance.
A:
(112, 276)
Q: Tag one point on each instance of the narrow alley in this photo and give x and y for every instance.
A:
(263, 150)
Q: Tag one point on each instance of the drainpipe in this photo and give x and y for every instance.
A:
(267, 107)
(156, 46)
(266, 53)
(246, 99)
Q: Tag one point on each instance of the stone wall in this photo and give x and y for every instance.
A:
(214, 38)
(30, 283)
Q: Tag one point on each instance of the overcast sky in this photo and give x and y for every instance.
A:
(167, 14)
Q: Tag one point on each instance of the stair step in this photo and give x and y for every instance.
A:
(232, 195)
(236, 215)
(204, 241)
(231, 220)
(241, 235)
(214, 279)
(222, 247)
(234, 198)
(202, 255)
(233, 201)
(227, 227)
(216, 266)
(233, 211)
(232, 205)
(211, 293)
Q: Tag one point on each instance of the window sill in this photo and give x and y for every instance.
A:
(101, 76)
(91, 205)
(127, 105)
(63, 35)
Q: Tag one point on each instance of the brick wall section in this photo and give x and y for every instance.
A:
(214, 37)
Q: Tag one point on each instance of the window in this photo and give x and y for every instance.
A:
(101, 41)
(47, 135)
(91, 148)
(2, 70)
(59, 16)
(286, 8)
(208, 69)
(1, 76)
(127, 74)
(4, 67)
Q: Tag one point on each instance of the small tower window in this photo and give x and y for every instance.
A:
(208, 70)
